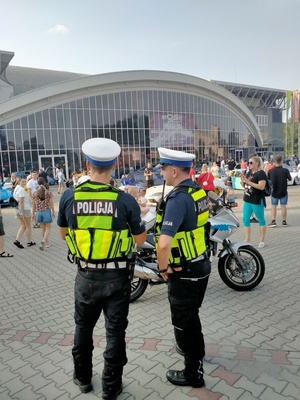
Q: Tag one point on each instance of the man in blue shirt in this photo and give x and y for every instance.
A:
(183, 224)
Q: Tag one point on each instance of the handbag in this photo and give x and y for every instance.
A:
(13, 202)
(268, 188)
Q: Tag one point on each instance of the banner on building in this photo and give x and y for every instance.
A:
(172, 130)
(295, 106)
(289, 96)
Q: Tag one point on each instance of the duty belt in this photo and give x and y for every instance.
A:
(200, 258)
(102, 266)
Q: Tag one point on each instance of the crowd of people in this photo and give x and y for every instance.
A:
(101, 225)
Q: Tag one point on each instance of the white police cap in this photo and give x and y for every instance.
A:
(101, 151)
(175, 157)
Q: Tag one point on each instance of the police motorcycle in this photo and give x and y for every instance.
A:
(240, 266)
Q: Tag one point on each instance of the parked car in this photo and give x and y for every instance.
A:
(5, 193)
(139, 178)
(22, 173)
(294, 174)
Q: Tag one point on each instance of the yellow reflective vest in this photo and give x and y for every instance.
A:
(94, 239)
(187, 245)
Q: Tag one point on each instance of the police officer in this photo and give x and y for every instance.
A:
(181, 228)
(100, 224)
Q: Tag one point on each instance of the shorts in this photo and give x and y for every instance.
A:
(2, 233)
(283, 201)
(44, 217)
(26, 213)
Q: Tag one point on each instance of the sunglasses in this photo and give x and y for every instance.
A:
(164, 165)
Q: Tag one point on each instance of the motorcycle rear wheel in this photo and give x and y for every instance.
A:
(242, 279)
(138, 287)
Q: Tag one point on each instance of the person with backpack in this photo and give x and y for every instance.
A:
(279, 177)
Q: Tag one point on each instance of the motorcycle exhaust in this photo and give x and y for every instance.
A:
(146, 272)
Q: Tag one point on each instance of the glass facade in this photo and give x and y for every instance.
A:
(139, 120)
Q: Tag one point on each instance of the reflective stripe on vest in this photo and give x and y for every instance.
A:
(94, 239)
(187, 245)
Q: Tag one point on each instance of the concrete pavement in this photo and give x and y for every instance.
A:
(252, 338)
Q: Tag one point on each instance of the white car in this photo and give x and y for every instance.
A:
(294, 174)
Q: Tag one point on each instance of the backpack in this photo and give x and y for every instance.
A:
(13, 202)
(268, 188)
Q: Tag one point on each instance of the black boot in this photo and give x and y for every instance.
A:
(111, 382)
(84, 386)
(182, 378)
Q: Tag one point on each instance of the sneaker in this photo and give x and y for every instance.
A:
(84, 388)
(253, 220)
(48, 245)
(261, 245)
(42, 245)
(284, 223)
(272, 224)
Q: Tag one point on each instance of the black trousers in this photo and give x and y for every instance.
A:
(150, 183)
(97, 290)
(185, 297)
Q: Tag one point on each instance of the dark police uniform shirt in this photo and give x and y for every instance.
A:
(180, 215)
(127, 213)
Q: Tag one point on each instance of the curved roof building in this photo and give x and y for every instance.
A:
(141, 110)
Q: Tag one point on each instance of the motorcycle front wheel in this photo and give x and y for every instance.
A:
(246, 277)
(138, 287)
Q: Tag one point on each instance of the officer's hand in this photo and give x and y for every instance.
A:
(165, 275)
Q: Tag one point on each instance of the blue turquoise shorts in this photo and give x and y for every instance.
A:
(44, 217)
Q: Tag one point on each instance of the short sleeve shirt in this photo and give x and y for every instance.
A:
(33, 185)
(251, 194)
(127, 213)
(279, 177)
(42, 205)
(178, 215)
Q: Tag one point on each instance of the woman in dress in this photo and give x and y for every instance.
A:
(23, 213)
(254, 183)
(44, 207)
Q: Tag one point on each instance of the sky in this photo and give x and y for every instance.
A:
(251, 42)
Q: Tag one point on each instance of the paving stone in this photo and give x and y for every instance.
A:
(270, 394)
(15, 385)
(252, 335)
(230, 391)
(253, 388)
(51, 392)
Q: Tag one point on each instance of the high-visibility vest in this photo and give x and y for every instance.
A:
(187, 245)
(94, 239)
